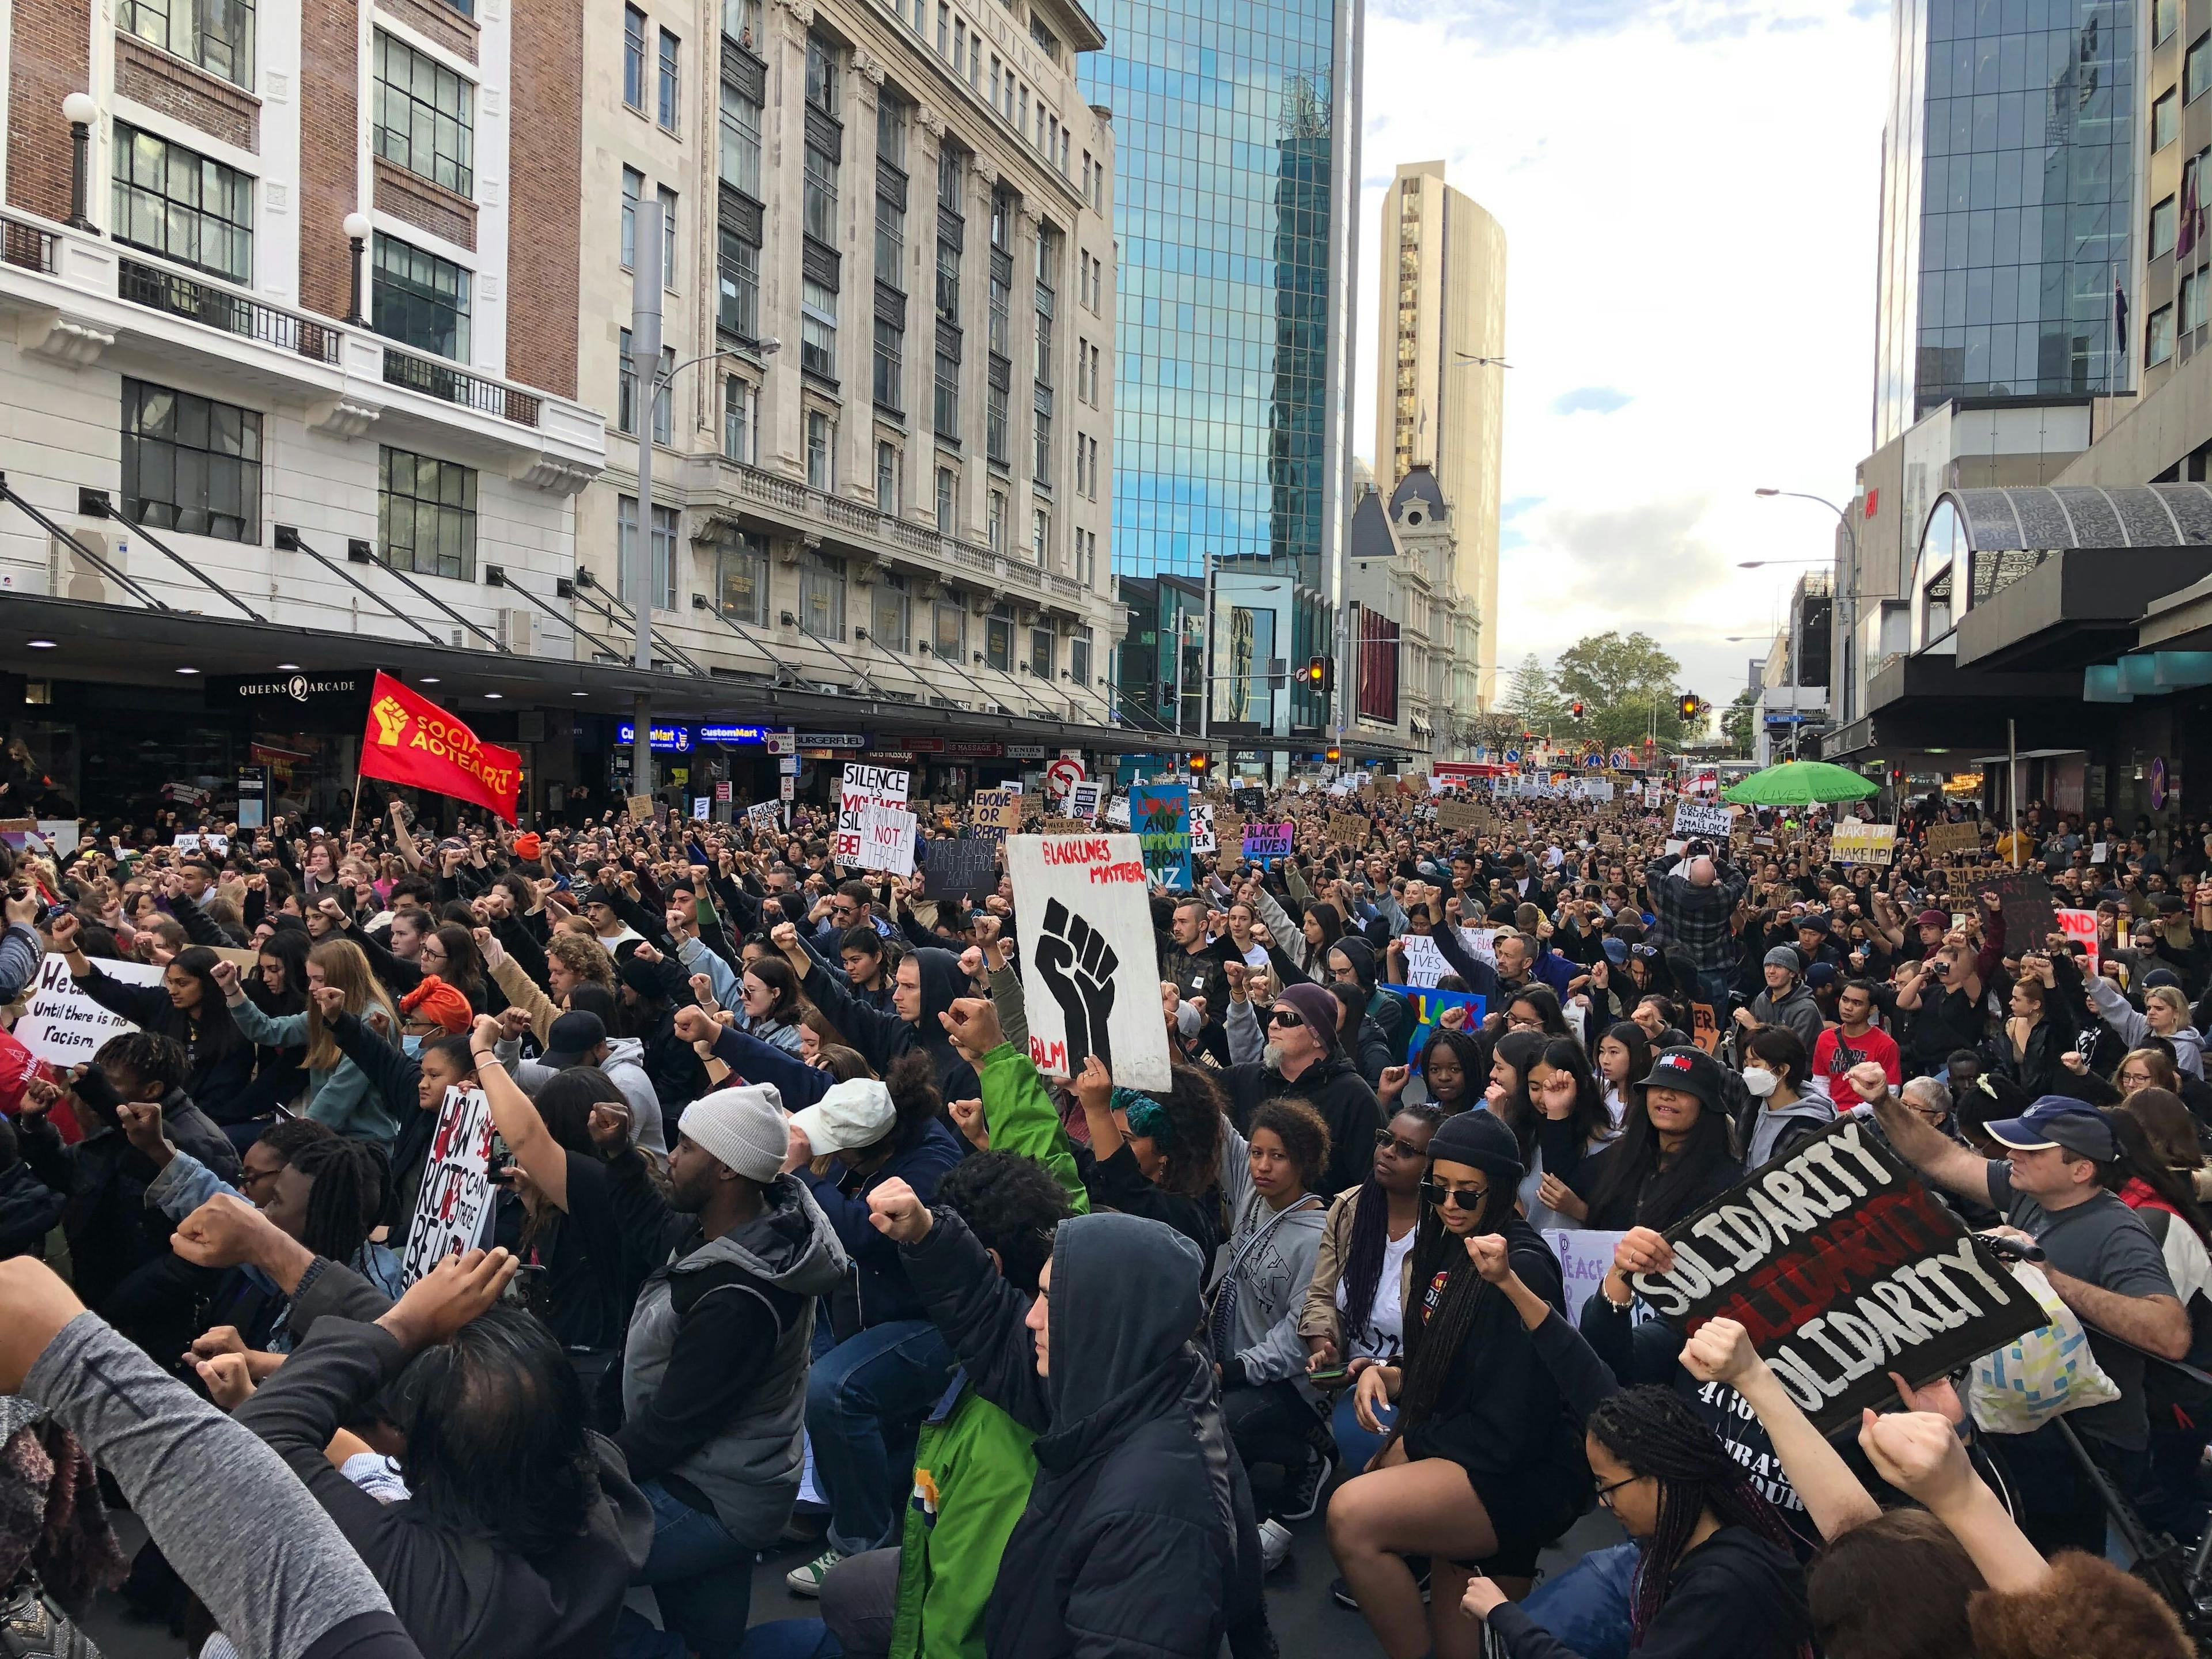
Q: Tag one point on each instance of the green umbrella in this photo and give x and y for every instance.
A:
(1800, 783)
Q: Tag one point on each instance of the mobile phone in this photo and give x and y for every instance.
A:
(1328, 1374)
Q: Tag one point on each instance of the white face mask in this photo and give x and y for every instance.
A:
(1761, 1084)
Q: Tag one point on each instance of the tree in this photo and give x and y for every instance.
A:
(1738, 721)
(1628, 687)
(1532, 699)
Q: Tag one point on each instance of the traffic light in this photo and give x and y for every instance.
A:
(1198, 764)
(1693, 705)
(1320, 673)
(1335, 755)
(1576, 707)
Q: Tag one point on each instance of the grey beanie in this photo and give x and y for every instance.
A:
(1782, 956)
(743, 1128)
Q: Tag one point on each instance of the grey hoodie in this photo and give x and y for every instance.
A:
(625, 1066)
(749, 1471)
(1771, 1125)
(1271, 1262)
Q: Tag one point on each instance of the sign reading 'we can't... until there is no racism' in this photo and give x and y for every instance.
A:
(1842, 1268)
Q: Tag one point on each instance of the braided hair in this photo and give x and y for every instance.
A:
(1361, 1277)
(1433, 1342)
(347, 1197)
(1650, 1430)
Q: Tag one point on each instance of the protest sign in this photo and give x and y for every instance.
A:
(1161, 813)
(1843, 1267)
(63, 1025)
(863, 785)
(764, 817)
(1088, 961)
(449, 1207)
(1056, 826)
(1083, 800)
(1269, 841)
(886, 839)
(1853, 842)
(640, 808)
(1229, 831)
(210, 842)
(1249, 801)
(1201, 828)
(1694, 818)
(2099, 851)
(1424, 964)
(959, 869)
(993, 814)
(1463, 815)
(1117, 812)
(2081, 926)
(2024, 898)
(1350, 829)
(1430, 1005)
(1946, 840)
(1585, 1258)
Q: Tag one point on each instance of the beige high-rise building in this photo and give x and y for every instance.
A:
(1442, 300)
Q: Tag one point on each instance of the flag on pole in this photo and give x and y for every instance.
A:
(410, 740)
(2120, 317)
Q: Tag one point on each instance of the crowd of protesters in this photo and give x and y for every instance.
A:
(793, 1241)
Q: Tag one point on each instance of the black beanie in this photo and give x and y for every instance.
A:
(1481, 1140)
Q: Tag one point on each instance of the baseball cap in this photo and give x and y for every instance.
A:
(571, 1037)
(2058, 1122)
(857, 1113)
(1821, 974)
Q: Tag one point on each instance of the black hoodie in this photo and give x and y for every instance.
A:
(881, 1038)
(1138, 1541)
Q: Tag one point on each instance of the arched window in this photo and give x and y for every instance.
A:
(1943, 547)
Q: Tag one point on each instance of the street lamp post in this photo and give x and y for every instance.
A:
(357, 227)
(1849, 598)
(79, 110)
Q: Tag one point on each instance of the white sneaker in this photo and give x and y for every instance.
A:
(806, 1579)
(1274, 1544)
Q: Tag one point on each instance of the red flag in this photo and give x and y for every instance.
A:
(411, 740)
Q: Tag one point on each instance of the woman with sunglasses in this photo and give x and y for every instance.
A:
(1484, 1464)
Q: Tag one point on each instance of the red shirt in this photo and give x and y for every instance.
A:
(1836, 1053)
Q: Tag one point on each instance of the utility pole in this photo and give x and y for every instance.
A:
(645, 358)
(1205, 673)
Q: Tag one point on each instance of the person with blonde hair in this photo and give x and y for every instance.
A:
(2165, 1013)
(339, 1093)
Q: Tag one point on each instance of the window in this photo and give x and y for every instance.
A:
(2162, 222)
(2196, 69)
(945, 493)
(959, 43)
(1086, 557)
(741, 141)
(1082, 463)
(1002, 297)
(664, 552)
(2193, 294)
(2165, 18)
(817, 329)
(667, 237)
(2164, 121)
(887, 459)
(820, 195)
(948, 282)
(738, 272)
(890, 349)
(951, 639)
(1043, 426)
(821, 74)
(633, 193)
(948, 178)
(671, 79)
(822, 595)
(420, 300)
(426, 515)
(821, 436)
(999, 640)
(2158, 336)
(945, 402)
(1092, 491)
(890, 131)
(890, 241)
(190, 464)
(894, 608)
(1040, 537)
(172, 201)
(976, 59)
(741, 21)
(216, 35)
(664, 399)
(994, 421)
(994, 523)
(741, 579)
(739, 400)
(1040, 663)
(1078, 655)
(1047, 41)
(943, 29)
(634, 58)
(422, 116)
(1096, 365)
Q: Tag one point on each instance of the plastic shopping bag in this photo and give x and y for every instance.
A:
(2040, 1376)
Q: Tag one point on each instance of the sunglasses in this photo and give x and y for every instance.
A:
(1469, 1199)
(1283, 1018)
(1384, 1140)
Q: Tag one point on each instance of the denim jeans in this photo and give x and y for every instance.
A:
(1586, 1607)
(864, 1397)
(701, 1578)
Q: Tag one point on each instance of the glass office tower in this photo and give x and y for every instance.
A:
(1236, 135)
(2008, 173)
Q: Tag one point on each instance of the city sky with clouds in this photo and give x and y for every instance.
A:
(1688, 190)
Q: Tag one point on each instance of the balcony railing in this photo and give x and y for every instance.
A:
(26, 245)
(443, 381)
(176, 294)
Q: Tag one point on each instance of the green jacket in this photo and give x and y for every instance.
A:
(972, 1464)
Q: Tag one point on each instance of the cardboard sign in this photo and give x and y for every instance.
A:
(1090, 964)
(1350, 829)
(1201, 828)
(1463, 815)
(2081, 926)
(2025, 899)
(1843, 1267)
(63, 1025)
(1853, 842)
(1249, 801)
(886, 839)
(1694, 818)
(1084, 800)
(764, 817)
(1161, 815)
(1948, 840)
(959, 869)
(1269, 841)
(862, 787)
(449, 1209)
(640, 808)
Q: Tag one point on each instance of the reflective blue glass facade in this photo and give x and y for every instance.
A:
(1225, 130)
(2007, 203)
